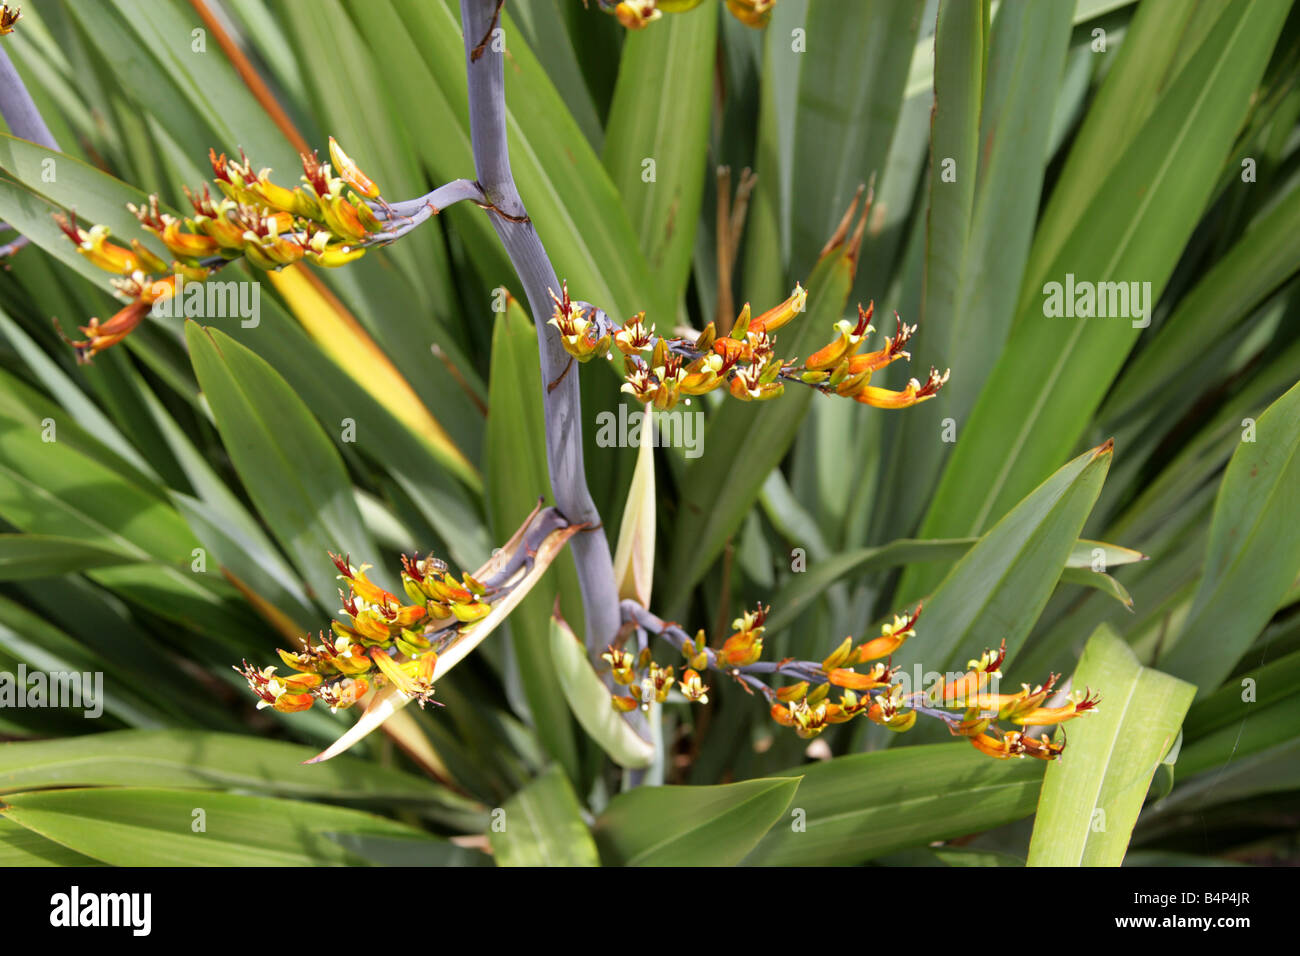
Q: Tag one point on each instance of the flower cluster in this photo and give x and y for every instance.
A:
(8, 18)
(327, 220)
(638, 14)
(866, 684)
(744, 360)
(379, 633)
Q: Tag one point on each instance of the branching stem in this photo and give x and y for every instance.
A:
(484, 64)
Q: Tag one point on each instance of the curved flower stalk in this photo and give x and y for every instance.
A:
(389, 650)
(331, 218)
(745, 359)
(867, 685)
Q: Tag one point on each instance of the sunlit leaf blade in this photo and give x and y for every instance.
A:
(1261, 260)
(288, 464)
(998, 589)
(145, 826)
(1054, 371)
(39, 555)
(808, 585)
(693, 826)
(852, 71)
(993, 113)
(408, 851)
(589, 699)
(22, 847)
(1249, 566)
(917, 795)
(330, 323)
(654, 144)
(634, 555)
(543, 826)
(202, 760)
(1091, 796)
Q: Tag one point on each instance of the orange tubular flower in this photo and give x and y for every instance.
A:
(849, 341)
(93, 245)
(752, 13)
(1009, 745)
(971, 683)
(350, 173)
(1042, 748)
(893, 350)
(892, 635)
(779, 315)
(746, 645)
(326, 219)
(1046, 716)
(693, 688)
(877, 677)
(914, 394)
(1009, 706)
(102, 335)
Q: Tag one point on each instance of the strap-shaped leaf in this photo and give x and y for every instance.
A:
(692, 826)
(853, 809)
(589, 699)
(1091, 796)
(542, 825)
(146, 826)
(290, 467)
(1251, 561)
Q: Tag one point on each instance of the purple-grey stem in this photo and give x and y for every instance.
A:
(562, 405)
(20, 113)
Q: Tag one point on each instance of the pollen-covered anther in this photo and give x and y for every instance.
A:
(288, 695)
(579, 335)
(965, 689)
(8, 18)
(640, 382)
(621, 663)
(637, 14)
(635, 336)
(746, 645)
(693, 688)
(757, 382)
(1010, 744)
(851, 337)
